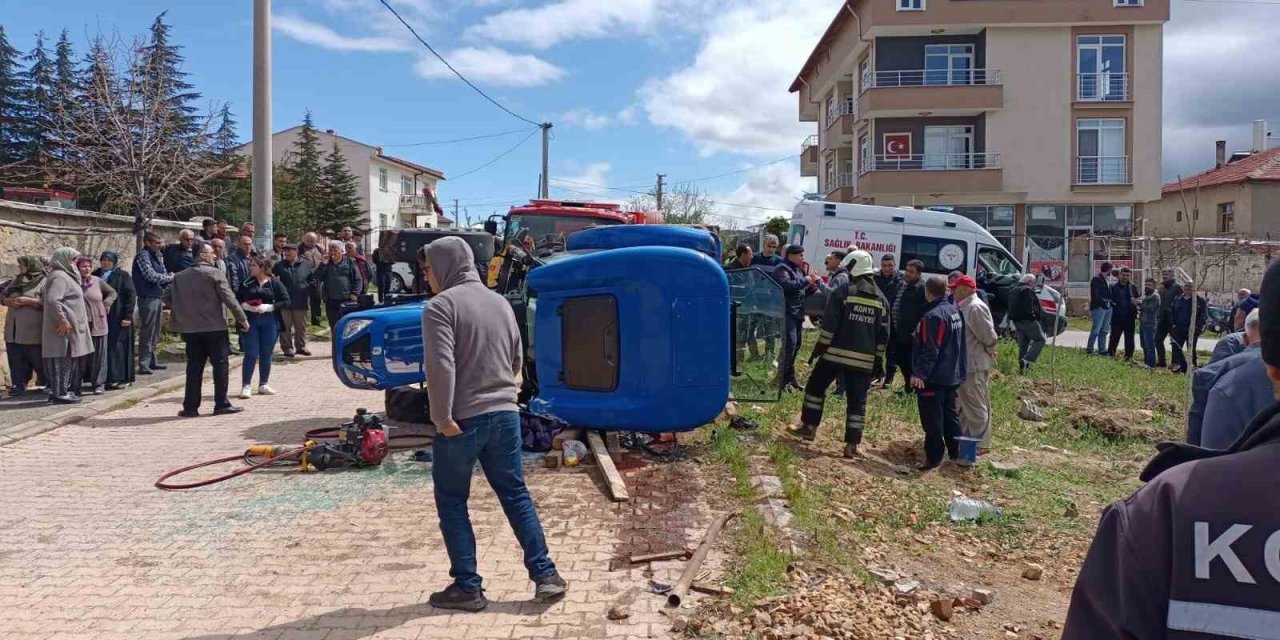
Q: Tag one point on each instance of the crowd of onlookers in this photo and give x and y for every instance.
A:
(74, 325)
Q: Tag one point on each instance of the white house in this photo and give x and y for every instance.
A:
(396, 192)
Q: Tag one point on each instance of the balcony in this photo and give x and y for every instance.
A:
(415, 205)
(809, 157)
(1103, 87)
(940, 91)
(843, 188)
(840, 118)
(933, 173)
(1102, 170)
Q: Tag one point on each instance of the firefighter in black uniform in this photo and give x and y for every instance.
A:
(852, 343)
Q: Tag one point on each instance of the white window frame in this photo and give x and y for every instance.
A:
(951, 52)
(910, 5)
(382, 179)
(1100, 125)
(1128, 3)
(949, 134)
(406, 180)
(1101, 92)
(865, 72)
(864, 154)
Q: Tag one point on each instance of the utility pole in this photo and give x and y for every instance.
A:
(262, 187)
(546, 157)
(658, 191)
(455, 211)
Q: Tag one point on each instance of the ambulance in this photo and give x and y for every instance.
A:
(944, 242)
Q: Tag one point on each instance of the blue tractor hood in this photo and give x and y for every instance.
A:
(645, 235)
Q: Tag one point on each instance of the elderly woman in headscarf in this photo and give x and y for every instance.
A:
(66, 336)
(98, 297)
(119, 321)
(22, 325)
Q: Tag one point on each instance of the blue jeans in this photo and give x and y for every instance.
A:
(1101, 319)
(258, 344)
(1148, 336)
(791, 340)
(493, 440)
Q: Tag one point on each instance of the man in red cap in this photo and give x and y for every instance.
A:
(973, 397)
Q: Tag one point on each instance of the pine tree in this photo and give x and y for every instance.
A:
(42, 105)
(232, 193)
(92, 86)
(64, 72)
(162, 68)
(340, 202)
(224, 137)
(13, 107)
(305, 174)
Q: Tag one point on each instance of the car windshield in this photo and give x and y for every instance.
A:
(541, 226)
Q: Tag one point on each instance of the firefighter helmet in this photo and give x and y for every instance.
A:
(858, 263)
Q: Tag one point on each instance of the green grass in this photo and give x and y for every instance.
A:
(763, 566)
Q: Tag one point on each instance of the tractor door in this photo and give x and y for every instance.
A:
(757, 309)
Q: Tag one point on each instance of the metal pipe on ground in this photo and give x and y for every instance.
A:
(695, 563)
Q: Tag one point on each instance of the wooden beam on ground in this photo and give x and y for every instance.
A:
(617, 488)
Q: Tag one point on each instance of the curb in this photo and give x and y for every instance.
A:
(24, 430)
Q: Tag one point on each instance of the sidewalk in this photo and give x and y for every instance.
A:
(93, 550)
(1079, 339)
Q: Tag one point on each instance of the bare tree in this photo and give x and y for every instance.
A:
(682, 204)
(125, 144)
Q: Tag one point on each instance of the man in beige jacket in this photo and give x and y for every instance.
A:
(974, 398)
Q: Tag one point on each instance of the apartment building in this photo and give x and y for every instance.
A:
(1040, 119)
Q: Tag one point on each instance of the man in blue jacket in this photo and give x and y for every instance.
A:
(794, 286)
(149, 280)
(937, 370)
(1206, 378)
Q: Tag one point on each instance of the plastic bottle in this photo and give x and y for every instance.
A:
(965, 509)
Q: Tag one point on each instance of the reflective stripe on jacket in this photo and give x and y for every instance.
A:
(855, 325)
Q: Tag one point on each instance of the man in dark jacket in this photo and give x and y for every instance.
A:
(794, 286)
(1026, 315)
(296, 276)
(1148, 319)
(339, 279)
(905, 309)
(1193, 554)
(1206, 378)
(1183, 333)
(178, 256)
(1170, 291)
(851, 344)
(765, 327)
(889, 280)
(1100, 308)
(149, 280)
(238, 261)
(937, 370)
(1124, 313)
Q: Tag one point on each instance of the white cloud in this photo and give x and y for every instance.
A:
(594, 121)
(548, 25)
(733, 96)
(591, 180)
(776, 186)
(314, 33)
(492, 66)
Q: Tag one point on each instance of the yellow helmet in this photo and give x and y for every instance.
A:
(858, 263)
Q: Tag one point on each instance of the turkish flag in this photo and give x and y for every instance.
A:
(897, 145)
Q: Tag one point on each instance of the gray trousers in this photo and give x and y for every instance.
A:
(148, 332)
(1030, 340)
(294, 336)
(974, 403)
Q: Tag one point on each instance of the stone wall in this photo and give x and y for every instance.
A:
(33, 229)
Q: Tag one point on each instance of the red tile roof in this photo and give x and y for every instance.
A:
(1259, 167)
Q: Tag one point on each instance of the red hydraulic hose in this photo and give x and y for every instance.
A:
(161, 484)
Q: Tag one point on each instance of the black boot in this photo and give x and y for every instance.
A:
(804, 432)
(457, 599)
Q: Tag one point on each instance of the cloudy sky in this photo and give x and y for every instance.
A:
(694, 89)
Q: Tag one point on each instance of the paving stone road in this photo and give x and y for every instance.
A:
(91, 550)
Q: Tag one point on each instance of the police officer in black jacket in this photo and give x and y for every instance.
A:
(937, 369)
(851, 343)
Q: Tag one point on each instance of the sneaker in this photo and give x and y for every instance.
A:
(245, 392)
(456, 598)
(550, 588)
(69, 398)
(264, 390)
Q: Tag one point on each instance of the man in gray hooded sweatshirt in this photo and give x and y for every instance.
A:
(472, 362)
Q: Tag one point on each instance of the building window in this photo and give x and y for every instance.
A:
(948, 64)
(1128, 3)
(832, 111)
(864, 154)
(1227, 217)
(406, 185)
(910, 5)
(831, 175)
(864, 72)
(1100, 149)
(382, 179)
(1100, 65)
(948, 147)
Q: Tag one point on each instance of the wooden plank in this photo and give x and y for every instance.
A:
(711, 589)
(664, 555)
(617, 488)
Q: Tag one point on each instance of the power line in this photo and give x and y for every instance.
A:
(734, 173)
(455, 71)
(500, 156)
(645, 193)
(456, 140)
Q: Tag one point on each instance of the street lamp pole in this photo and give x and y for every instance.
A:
(262, 187)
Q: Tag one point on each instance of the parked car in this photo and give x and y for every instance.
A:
(1219, 320)
(400, 247)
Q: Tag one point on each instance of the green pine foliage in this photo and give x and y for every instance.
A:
(339, 195)
(42, 104)
(162, 68)
(13, 107)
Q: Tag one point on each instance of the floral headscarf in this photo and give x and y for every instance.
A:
(30, 276)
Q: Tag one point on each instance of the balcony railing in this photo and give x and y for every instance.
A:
(1102, 170)
(1102, 87)
(932, 78)
(935, 162)
(846, 107)
(841, 181)
(811, 141)
(412, 202)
